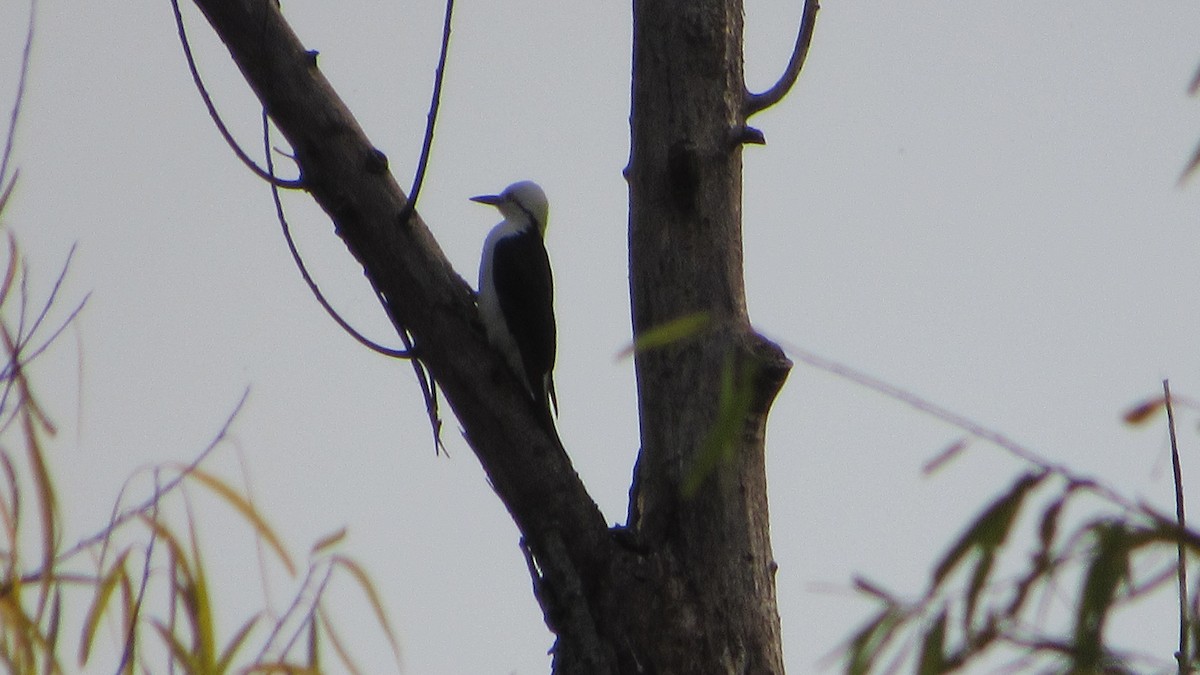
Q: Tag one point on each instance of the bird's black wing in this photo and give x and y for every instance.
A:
(525, 288)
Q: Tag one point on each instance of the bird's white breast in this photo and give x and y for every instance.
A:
(490, 312)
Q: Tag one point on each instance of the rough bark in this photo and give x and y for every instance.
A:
(685, 244)
(688, 586)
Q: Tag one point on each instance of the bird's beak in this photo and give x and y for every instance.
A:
(494, 200)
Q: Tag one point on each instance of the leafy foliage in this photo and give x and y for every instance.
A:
(144, 576)
(973, 613)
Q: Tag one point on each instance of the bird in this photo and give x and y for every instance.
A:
(516, 291)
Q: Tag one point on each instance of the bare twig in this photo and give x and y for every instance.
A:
(424, 378)
(17, 361)
(13, 344)
(119, 519)
(313, 606)
(16, 110)
(24, 337)
(971, 427)
(23, 308)
(293, 608)
(22, 355)
(429, 392)
(37, 351)
(312, 285)
(216, 117)
(430, 119)
(428, 386)
(62, 275)
(758, 102)
(891, 391)
(131, 633)
(1180, 520)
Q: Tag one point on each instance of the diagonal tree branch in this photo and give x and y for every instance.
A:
(349, 178)
(756, 103)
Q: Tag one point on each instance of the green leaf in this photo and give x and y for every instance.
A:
(933, 648)
(675, 330)
(1049, 525)
(96, 611)
(339, 647)
(991, 528)
(314, 645)
(202, 619)
(735, 394)
(182, 655)
(328, 541)
(235, 644)
(368, 588)
(869, 642)
(248, 512)
(1108, 566)
(978, 582)
(1141, 412)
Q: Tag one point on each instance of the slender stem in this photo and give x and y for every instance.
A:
(216, 117)
(759, 102)
(10, 138)
(312, 285)
(1183, 657)
(430, 118)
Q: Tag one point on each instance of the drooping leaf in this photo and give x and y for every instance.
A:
(339, 647)
(52, 631)
(99, 604)
(933, 648)
(1143, 410)
(667, 333)
(1108, 566)
(868, 643)
(1048, 527)
(991, 528)
(1192, 165)
(203, 620)
(328, 541)
(235, 643)
(176, 553)
(181, 654)
(735, 396)
(247, 510)
(368, 588)
(314, 645)
(979, 576)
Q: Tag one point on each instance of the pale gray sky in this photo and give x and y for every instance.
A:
(974, 201)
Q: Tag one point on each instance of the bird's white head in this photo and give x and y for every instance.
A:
(521, 202)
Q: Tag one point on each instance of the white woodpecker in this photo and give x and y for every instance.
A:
(516, 289)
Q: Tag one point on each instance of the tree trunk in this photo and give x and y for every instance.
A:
(688, 586)
(685, 239)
